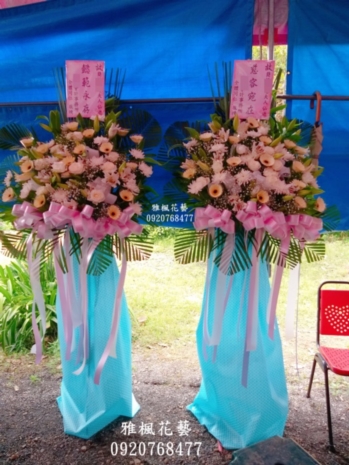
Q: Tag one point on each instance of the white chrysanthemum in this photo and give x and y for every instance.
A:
(188, 163)
(243, 177)
(137, 208)
(8, 177)
(217, 166)
(198, 184)
(131, 185)
(136, 153)
(223, 134)
(242, 129)
(219, 178)
(308, 178)
(27, 188)
(60, 196)
(146, 169)
(41, 163)
(247, 158)
(191, 144)
(58, 166)
(100, 139)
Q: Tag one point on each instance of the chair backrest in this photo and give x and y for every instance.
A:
(333, 310)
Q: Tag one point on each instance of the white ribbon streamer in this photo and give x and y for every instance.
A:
(38, 298)
(292, 301)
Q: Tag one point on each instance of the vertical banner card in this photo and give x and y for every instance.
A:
(85, 88)
(251, 88)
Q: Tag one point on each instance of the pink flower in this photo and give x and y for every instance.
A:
(96, 196)
(58, 167)
(320, 205)
(60, 196)
(253, 165)
(112, 179)
(108, 167)
(136, 153)
(191, 144)
(137, 208)
(100, 139)
(198, 184)
(146, 169)
(112, 156)
(76, 167)
(96, 161)
(243, 177)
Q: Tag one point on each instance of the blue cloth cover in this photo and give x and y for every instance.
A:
(86, 407)
(235, 415)
(165, 46)
(318, 60)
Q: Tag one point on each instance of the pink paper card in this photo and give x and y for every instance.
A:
(85, 88)
(13, 3)
(251, 88)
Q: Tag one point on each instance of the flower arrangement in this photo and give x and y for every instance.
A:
(86, 176)
(250, 175)
(229, 168)
(79, 194)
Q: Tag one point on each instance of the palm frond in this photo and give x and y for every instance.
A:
(270, 252)
(239, 259)
(192, 246)
(315, 251)
(141, 122)
(11, 134)
(102, 257)
(223, 81)
(330, 218)
(61, 90)
(136, 247)
(114, 82)
(174, 192)
(76, 244)
(14, 244)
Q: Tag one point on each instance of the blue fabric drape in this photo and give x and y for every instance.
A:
(164, 46)
(85, 406)
(240, 416)
(318, 59)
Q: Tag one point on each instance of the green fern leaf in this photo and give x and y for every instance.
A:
(11, 134)
(192, 246)
(136, 247)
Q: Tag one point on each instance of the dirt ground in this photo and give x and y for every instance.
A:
(166, 379)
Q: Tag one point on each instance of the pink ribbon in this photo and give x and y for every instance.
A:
(211, 217)
(58, 217)
(303, 227)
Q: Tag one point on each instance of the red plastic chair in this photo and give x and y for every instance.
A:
(332, 320)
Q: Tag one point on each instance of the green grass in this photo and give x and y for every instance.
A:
(164, 298)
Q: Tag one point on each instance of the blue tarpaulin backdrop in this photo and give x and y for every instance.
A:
(165, 47)
(318, 59)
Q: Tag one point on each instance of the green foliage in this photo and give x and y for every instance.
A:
(192, 246)
(11, 134)
(16, 305)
